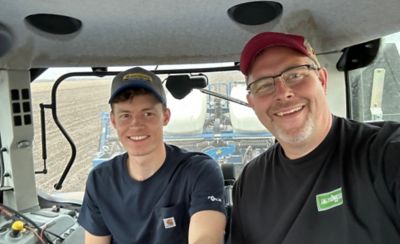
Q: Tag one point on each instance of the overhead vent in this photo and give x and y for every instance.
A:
(5, 40)
(255, 13)
(54, 24)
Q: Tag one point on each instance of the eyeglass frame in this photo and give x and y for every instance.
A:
(309, 68)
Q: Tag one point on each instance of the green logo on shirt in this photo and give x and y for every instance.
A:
(329, 200)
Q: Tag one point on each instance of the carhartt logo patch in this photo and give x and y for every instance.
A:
(169, 222)
(329, 200)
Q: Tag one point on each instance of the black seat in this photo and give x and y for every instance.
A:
(228, 170)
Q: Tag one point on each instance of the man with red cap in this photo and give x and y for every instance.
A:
(328, 179)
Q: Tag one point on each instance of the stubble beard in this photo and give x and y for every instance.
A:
(301, 135)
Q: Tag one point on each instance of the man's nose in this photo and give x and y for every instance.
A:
(282, 91)
(136, 120)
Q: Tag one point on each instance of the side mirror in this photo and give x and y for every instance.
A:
(358, 56)
(181, 85)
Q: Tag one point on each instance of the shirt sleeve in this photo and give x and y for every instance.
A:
(208, 187)
(392, 170)
(90, 217)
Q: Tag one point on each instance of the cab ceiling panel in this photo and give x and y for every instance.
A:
(128, 32)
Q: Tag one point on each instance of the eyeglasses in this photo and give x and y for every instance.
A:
(291, 77)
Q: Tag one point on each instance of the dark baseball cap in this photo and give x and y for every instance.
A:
(273, 39)
(137, 78)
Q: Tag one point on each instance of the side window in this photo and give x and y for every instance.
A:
(375, 89)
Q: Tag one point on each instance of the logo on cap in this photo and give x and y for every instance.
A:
(137, 76)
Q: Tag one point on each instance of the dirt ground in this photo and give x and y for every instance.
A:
(79, 107)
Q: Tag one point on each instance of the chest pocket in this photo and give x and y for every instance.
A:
(172, 224)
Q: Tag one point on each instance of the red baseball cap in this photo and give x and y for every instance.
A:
(273, 39)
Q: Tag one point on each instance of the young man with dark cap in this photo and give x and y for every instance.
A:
(153, 193)
(328, 179)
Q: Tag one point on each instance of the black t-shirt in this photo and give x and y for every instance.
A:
(346, 191)
(156, 210)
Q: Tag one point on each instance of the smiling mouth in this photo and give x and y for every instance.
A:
(137, 138)
(289, 112)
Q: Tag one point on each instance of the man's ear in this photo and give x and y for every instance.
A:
(323, 78)
(250, 101)
(167, 116)
(112, 118)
